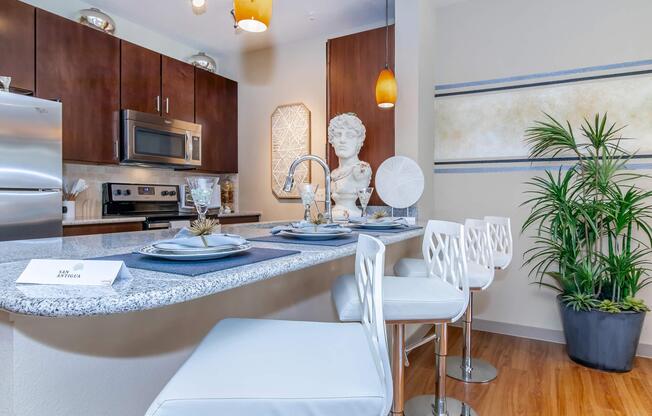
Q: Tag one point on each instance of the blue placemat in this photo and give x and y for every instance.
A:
(389, 230)
(195, 268)
(335, 242)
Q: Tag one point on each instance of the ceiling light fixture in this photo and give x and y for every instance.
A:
(198, 6)
(386, 88)
(97, 19)
(252, 15)
(203, 61)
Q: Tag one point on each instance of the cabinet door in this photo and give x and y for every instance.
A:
(216, 109)
(81, 67)
(178, 80)
(140, 85)
(17, 43)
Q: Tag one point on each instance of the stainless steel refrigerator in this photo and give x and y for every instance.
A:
(30, 167)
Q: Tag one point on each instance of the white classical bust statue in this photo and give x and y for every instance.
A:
(346, 134)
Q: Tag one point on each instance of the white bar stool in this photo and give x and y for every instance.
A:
(247, 367)
(438, 300)
(479, 257)
(500, 237)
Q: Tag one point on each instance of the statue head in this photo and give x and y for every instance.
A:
(346, 134)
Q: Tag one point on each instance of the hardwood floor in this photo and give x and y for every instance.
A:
(535, 378)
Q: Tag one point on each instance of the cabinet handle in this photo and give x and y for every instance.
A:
(167, 105)
(158, 103)
(116, 149)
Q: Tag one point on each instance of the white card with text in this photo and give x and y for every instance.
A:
(73, 272)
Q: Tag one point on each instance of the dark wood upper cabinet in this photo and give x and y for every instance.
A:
(178, 89)
(81, 67)
(216, 109)
(354, 63)
(17, 43)
(140, 84)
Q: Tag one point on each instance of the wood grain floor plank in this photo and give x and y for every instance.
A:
(535, 378)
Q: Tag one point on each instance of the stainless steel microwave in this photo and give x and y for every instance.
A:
(152, 139)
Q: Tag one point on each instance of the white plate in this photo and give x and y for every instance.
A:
(379, 225)
(320, 231)
(152, 251)
(314, 236)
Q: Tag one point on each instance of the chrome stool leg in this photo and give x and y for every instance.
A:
(398, 368)
(465, 368)
(439, 404)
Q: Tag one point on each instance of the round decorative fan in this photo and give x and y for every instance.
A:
(399, 182)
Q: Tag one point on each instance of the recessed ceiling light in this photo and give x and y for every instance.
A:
(198, 6)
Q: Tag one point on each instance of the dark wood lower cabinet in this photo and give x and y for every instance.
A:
(239, 220)
(72, 230)
(81, 67)
(17, 43)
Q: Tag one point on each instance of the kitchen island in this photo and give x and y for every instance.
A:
(107, 351)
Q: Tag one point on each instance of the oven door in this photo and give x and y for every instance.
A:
(155, 140)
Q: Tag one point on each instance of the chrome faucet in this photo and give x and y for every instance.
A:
(289, 181)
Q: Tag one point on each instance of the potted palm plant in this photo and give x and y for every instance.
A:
(591, 239)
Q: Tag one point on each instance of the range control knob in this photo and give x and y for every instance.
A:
(165, 193)
(173, 193)
(127, 192)
(118, 192)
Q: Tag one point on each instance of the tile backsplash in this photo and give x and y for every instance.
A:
(89, 204)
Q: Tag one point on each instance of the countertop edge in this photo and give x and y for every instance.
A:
(200, 287)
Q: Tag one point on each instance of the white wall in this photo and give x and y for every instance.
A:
(415, 75)
(478, 40)
(286, 74)
(484, 39)
(293, 73)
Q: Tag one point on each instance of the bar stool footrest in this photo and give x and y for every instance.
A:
(482, 371)
(425, 406)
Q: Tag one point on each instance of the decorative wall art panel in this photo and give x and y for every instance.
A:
(290, 140)
(489, 123)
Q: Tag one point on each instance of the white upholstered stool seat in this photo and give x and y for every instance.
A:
(247, 367)
(404, 299)
(479, 275)
(407, 267)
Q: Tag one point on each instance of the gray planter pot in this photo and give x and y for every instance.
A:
(602, 340)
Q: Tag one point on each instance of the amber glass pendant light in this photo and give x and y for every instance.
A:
(252, 15)
(386, 88)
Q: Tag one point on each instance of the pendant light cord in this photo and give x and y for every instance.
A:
(386, 34)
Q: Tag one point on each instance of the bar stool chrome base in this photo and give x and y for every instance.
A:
(425, 406)
(480, 371)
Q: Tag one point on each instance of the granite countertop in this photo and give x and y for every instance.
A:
(145, 289)
(116, 220)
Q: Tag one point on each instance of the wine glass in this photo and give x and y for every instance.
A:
(5, 82)
(201, 190)
(308, 193)
(364, 194)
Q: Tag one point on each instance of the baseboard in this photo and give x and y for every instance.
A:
(541, 334)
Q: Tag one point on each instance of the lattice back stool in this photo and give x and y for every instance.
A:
(479, 257)
(500, 237)
(439, 298)
(246, 367)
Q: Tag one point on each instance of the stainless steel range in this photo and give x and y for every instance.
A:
(159, 204)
